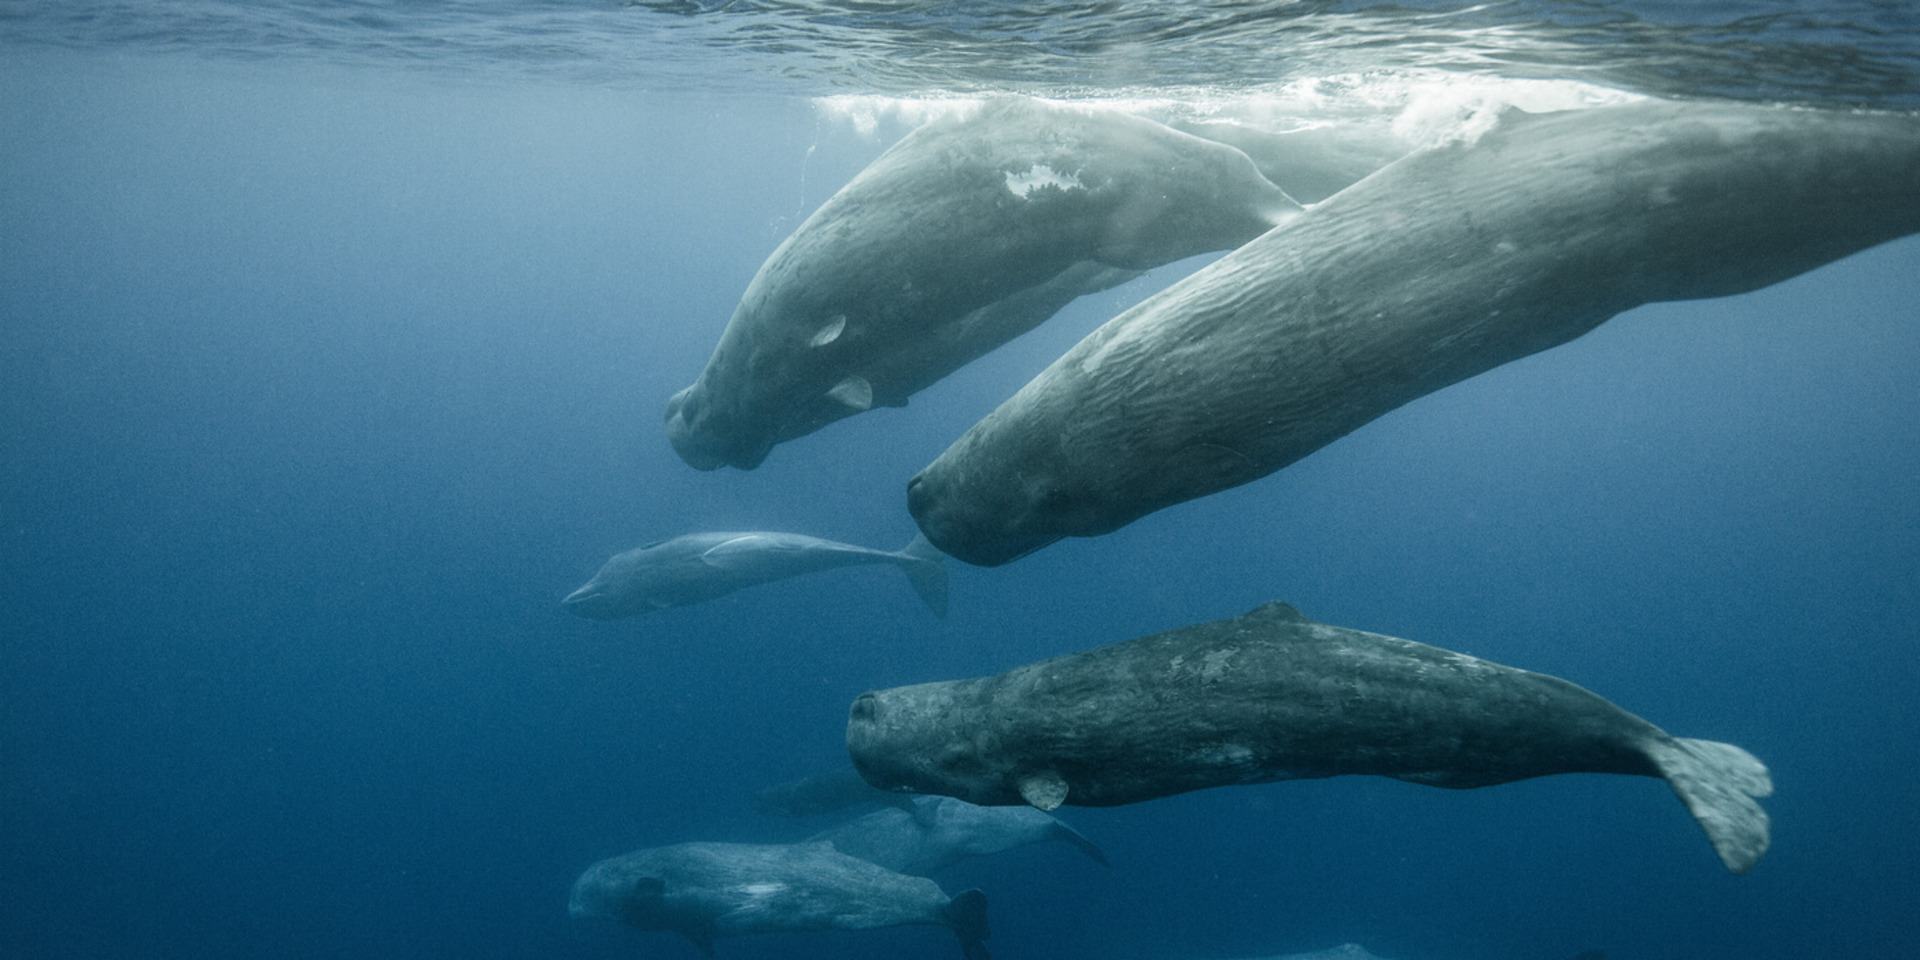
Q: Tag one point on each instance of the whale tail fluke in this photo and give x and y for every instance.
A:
(1718, 782)
(967, 915)
(926, 569)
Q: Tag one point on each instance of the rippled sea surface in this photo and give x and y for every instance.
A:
(1862, 53)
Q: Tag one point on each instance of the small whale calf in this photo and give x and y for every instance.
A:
(709, 890)
(934, 833)
(701, 566)
(967, 233)
(1444, 264)
(1271, 696)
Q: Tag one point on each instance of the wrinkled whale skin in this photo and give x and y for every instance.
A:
(709, 890)
(1444, 264)
(1272, 696)
(968, 232)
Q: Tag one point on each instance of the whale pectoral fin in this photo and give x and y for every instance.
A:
(1063, 832)
(730, 553)
(830, 332)
(1045, 791)
(854, 392)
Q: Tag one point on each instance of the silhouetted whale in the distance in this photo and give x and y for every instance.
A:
(709, 890)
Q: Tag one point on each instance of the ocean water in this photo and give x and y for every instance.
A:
(333, 343)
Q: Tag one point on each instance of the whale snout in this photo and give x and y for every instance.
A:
(872, 746)
(986, 528)
(704, 441)
(591, 602)
(583, 900)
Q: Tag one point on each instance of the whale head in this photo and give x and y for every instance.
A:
(595, 600)
(922, 739)
(623, 889)
(986, 520)
(707, 436)
(629, 583)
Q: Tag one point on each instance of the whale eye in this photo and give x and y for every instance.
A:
(685, 406)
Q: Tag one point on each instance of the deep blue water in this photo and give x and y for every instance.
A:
(321, 382)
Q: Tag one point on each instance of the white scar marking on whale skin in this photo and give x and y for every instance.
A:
(1225, 755)
(762, 889)
(1216, 665)
(1040, 177)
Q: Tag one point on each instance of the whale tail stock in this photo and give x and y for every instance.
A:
(926, 570)
(1718, 782)
(966, 913)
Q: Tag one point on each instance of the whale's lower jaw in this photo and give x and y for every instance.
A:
(999, 541)
(704, 448)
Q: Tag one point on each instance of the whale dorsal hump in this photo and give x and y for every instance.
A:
(1046, 790)
(854, 391)
(1279, 610)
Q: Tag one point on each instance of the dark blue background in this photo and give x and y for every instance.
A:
(318, 389)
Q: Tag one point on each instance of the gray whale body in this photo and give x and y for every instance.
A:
(1442, 265)
(827, 792)
(697, 567)
(930, 834)
(710, 890)
(967, 233)
(1274, 696)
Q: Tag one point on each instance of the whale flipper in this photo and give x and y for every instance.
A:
(1063, 832)
(1046, 791)
(734, 553)
(829, 332)
(854, 392)
(1717, 782)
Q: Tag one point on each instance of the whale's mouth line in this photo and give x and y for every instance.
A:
(1050, 541)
